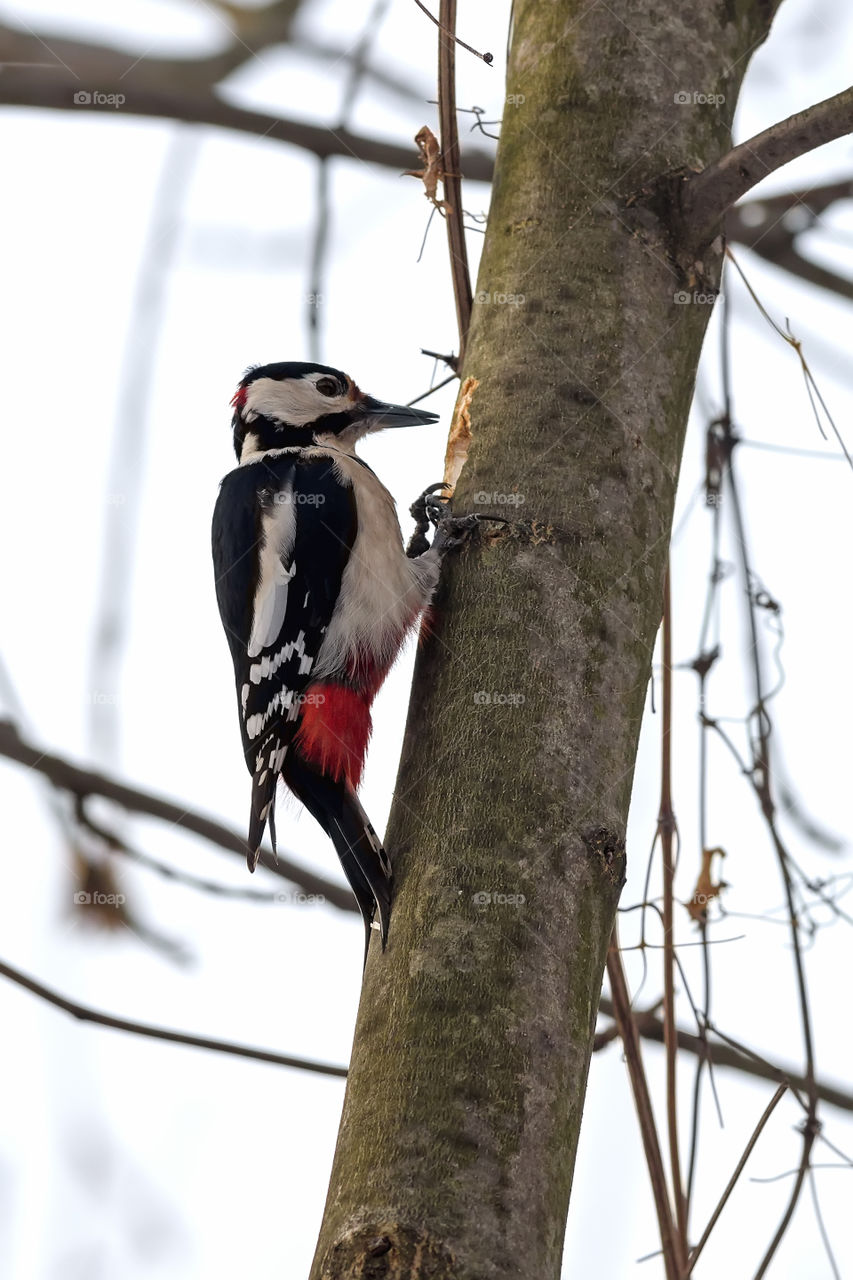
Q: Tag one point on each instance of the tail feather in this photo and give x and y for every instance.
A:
(262, 812)
(337, 809)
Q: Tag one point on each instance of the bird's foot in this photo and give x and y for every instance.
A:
(422, 511)
(451, 532)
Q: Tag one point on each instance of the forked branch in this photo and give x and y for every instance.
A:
(707, 195)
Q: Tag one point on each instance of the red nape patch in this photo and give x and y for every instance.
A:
(239, 397)
(334, 727)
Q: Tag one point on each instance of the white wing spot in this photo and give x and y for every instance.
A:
(269, 664)
(284, 700)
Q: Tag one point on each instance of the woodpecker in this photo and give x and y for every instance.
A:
(316, 595)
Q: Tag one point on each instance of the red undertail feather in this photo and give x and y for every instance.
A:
(334, 728)
(429, 622)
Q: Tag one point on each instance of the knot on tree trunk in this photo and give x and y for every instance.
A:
(609, 851)
(388, 1251)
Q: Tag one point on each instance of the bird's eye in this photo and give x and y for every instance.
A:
(328, 387)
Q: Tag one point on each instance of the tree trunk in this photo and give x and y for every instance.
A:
(460, 1125)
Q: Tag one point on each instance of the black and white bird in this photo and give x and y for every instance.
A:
(317, 595)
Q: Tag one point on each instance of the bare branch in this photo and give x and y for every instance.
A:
(650, 1027)
(84, 1014)
(620, 1008)
(707, 195)
(450, 171)
(123, 498)
(379, 76)
(771, 227)
(667, 829)
(96, 66)
(116, 843)
(253, 31)
(756, 1134)
(166, 92)
(87, 782)
(761, 778)
(809, 1135)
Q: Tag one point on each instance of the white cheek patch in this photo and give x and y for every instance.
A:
(295, 401)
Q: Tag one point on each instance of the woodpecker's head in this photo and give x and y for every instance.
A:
(277, 406)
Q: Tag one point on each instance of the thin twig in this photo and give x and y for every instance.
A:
(451, 179)
(721, 1204)
(809, 1136)
(733, 1056)
(667, 830)
(84, 1014)
(316, 271)
(89, 782)
(117, 844)
(450, 378)
(812, 390)
(451, 360)
(821, 1225)
(356, 71)
(450, 31)
(761, 778)
(674, 1258)
(128, 448)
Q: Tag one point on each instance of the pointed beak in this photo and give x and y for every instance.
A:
(382, 415)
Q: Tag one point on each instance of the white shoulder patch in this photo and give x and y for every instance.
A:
(278, 535)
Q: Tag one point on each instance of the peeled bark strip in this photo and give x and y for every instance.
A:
(464, 1101)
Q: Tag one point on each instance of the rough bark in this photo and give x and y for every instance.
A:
(464, 1101)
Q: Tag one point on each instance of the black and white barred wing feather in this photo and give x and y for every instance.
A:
(277, 601)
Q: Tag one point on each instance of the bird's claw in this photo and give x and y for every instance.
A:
(418, 509)
(423, 518)
(452, 532)
(433, 508)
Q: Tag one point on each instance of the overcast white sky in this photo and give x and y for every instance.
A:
(124, 1159)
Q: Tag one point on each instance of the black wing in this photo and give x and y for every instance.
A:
(282, 534)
